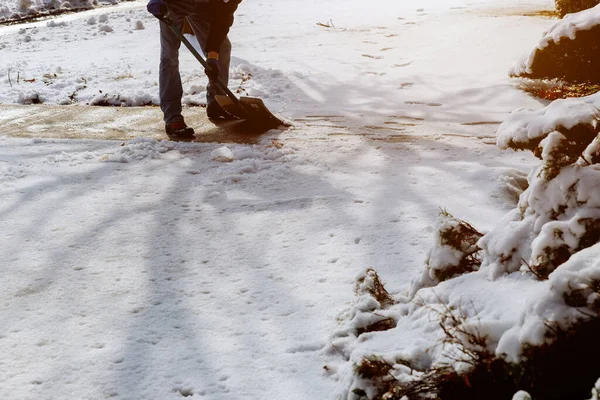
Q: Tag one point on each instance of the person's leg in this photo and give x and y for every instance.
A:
(169, 80)
(201, 27)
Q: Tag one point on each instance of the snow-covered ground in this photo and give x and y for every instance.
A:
(399, 58)
(147, 269)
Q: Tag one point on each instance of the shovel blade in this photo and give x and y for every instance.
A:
(251, 109)
(232, 108)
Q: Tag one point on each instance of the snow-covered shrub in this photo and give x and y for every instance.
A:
(559, 214)
(572, 6)
(369, 284)
(578, 283)
(454, 252)
(552, 234)
(569, 50)
(369, 312)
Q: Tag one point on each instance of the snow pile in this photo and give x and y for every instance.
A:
(223, 154)
(71, 159)
(13, 10)
(14, 172)
(29, 97)
(140, 149)
(565, 29)
(240, 162)
(136, 99)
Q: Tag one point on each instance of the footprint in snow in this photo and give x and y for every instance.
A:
(306, 348)
(423, 104)
(373, 57)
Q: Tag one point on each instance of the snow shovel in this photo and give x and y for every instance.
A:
(251, 109)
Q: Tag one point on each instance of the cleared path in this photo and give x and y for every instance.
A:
(114, 123)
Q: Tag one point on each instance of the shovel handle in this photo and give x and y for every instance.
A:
(219, 82)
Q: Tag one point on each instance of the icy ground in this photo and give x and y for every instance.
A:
(156, 270)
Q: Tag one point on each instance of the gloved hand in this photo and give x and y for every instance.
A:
(158, 8)
(213, 71)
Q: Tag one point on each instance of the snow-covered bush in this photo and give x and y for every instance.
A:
(367, 314)
(568, 50)
(454, 252)
(532, 305)
(572, 6)
(559, 214)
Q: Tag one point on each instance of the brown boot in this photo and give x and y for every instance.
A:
(179, 129)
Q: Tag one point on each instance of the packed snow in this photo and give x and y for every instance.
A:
(152, 269)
